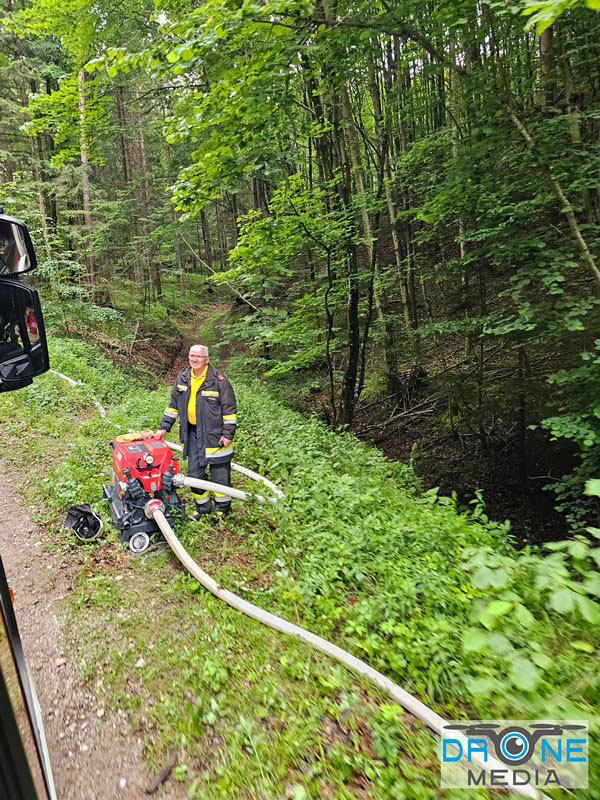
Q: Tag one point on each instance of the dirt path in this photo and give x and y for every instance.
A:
(94, 754)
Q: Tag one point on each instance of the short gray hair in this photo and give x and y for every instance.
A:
(201, 347)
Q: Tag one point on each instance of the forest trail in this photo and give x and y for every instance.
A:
(206, 330)
(94, 754)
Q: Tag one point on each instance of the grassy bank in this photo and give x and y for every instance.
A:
(435, 597)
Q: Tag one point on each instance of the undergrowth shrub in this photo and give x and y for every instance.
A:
(434, 596)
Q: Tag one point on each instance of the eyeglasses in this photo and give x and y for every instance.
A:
(197, 358)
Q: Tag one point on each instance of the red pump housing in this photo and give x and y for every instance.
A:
(146, 459)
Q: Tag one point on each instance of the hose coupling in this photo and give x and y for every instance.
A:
(152, 506)
(179, 480)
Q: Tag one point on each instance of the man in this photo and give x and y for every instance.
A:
(204, 401)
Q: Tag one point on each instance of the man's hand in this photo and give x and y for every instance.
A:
(225, 442)
(160, 433)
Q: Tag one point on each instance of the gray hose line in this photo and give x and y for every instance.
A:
(244, 471)
(98, 405)
(406, 700)
(197, 483)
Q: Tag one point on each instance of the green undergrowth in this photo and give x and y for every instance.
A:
(130, 326)
(435, 598)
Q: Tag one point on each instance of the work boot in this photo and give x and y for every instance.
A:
(202, 510)
(221, 512)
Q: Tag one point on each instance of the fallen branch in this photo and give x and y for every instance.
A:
(161, 776)
(413, 412)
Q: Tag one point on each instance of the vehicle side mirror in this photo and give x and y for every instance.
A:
(17, 254)
(23, 347)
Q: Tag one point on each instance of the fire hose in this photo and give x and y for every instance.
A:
(154, 510)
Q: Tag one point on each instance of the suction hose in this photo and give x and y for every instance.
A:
(154, 510)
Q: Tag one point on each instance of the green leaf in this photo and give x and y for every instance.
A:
(557, 545)
(562, 601)
(499, 643)
(173, 57)
(578, 550)
(524, 615)
(585, 647)
(523, 673)
(592, 584)
(483, 577)
(592, 486)
(499, 608)
(590, 610)
(595, 4)
(494, 611)
(474, 640)
(484, 685)
(542, 660)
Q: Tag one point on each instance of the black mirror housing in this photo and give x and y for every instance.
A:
(23, 346)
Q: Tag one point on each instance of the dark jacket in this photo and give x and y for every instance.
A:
(215, 414)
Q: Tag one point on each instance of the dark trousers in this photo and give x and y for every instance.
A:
(219, 473)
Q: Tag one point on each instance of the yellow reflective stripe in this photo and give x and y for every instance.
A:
(202, 496)
(182, 387)
(218, 494)
(218, 451)
(210, 394)
(171, 412)
(230, 418)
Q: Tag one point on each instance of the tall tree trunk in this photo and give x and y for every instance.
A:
(34, 155)
(85, 182)
(154, 263)
(547, 66)
(122, 117)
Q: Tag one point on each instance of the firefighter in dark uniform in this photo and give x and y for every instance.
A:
(203, 400)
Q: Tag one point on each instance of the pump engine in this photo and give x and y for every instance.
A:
(143, 468)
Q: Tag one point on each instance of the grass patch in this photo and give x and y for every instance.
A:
(433, 596)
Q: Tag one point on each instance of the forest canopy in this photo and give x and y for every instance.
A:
(403, 198)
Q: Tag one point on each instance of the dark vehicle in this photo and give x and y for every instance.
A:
(25, 772)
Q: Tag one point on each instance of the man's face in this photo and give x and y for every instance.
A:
(197, 359)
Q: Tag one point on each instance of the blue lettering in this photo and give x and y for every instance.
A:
(570, 750)
(557, 754)
(478, 746)
(445, 756)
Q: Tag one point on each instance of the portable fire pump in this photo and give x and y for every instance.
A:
(143, 469)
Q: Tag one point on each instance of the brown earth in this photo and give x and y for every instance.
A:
(94, 754)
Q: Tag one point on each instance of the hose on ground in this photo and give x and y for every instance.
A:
(404, 698)
(243, 471)
(211, 486)
(401, 696)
